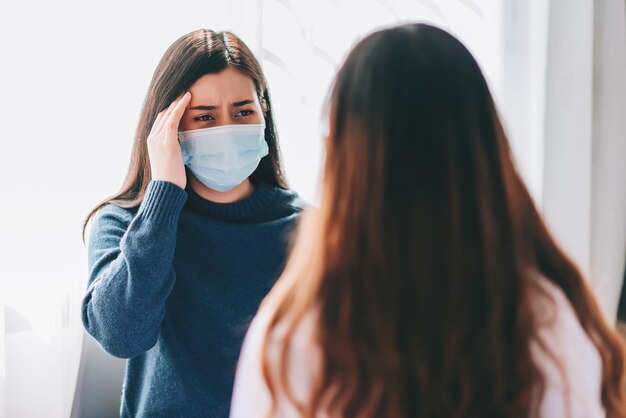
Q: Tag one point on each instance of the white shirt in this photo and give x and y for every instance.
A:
(559, 328)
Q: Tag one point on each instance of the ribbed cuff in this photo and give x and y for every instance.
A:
(163, 202)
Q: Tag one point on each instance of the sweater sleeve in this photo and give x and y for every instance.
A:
(131, 271)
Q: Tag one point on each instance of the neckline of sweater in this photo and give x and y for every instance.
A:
(243, 210)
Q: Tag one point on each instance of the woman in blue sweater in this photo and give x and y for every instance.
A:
(181, 257)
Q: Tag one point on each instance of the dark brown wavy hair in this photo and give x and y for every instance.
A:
(423, 259)
(190, 57)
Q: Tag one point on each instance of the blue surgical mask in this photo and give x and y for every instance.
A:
(224, 156)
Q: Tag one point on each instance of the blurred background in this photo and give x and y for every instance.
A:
(73, 76)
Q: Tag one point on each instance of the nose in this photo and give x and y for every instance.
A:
(227, 119)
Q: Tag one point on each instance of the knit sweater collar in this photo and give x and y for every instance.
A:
(244, 210)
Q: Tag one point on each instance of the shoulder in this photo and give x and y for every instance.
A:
(109, 220)
(111, 215)
(565, 355)
(557, 320)
(301, 343)
(289, 201)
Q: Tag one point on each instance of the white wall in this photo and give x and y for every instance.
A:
(567, 183)
(608, 162)
(525, 30)
(585, 140)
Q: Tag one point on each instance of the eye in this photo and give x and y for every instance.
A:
(245, 112)
(203, 118)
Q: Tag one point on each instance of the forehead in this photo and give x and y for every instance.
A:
(229, 84)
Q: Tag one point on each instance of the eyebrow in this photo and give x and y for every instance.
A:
(236, 104)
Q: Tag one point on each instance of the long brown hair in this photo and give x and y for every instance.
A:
(421, 264)
(190, 57)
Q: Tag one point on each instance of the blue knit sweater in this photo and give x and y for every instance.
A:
(173, 286)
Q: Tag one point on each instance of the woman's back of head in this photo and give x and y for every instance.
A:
(429, 248)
